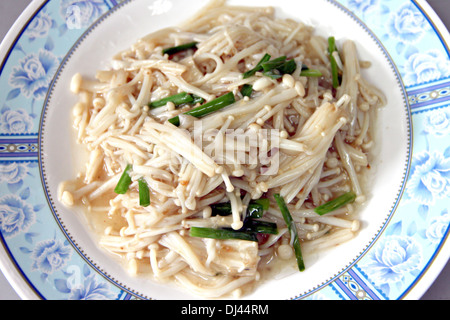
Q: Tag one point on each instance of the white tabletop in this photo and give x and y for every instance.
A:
(11, 9)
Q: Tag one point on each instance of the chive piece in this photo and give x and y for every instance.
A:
(258, 67)
(221, 209)
(264, 202)
(293, 230)
(258, 226)
(311, 73)
(197, 99)
(273, 74)
(180, 48)
(255, 210)
(222, 234)
(335, 204)
(124, 181)
(273, 64)
(288, 67)
(208, 108)
(247, 90)
(178, 99)
(144, 193)
(334, 67)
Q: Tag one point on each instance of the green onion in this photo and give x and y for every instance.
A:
(258, 226)
(258, 67)
(334, 67)
(264, 202)
(273, 64)
(273, 74)
(313, 73)
(255, 210)
(178, 99)
(221, 209)
(144, 193)
(124, 181)
(197, 99)
(247, 90)
(222, 234)
(335, 204)
(183, 47)
(276, 68)
(293, 230)
(288, 67)
(208, 108)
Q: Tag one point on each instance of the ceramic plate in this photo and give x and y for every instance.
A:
(48, 252)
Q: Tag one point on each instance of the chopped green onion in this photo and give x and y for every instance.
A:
(276, 68)
(124, 181)
(273, 64)
(334, 67)
(255, 210)
(208, 108)
(313, 73)
(335, 204)
(197, 99)
(222, 234)
(221, 209)
(258, 67)
(264, 202)
(258, 226)
(178, 99)
(144, 193)
(180, 48)
(288, 67)
(247, 90)
(273, 74)
(293, 230)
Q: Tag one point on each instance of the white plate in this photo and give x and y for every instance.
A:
(47, 250)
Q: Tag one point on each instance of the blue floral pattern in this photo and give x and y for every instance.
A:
(392, 258)
(425, 67)
(429, 178)
(408, 24)
(40, 26)
(408, 244)
(16, 215)
(437, 123)
(34, 73)
(15, 121)
(81, 13)
(50, 256)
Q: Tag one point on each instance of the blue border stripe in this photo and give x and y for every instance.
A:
(430, 102)
(363, 284)
(430, 88)
(19, 155)
(345, 289)
(18, 141)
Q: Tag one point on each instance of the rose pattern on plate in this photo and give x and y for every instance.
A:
(16, 215)
(80, 14)
(83, 284)
(34, 74)
(15, 121)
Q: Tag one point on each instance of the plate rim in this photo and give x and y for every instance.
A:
(15, 276)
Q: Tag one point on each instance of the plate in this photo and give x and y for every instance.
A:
(47, 252)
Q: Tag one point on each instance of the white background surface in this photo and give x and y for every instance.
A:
(11, 9)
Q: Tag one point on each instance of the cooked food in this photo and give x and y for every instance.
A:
(223, 147)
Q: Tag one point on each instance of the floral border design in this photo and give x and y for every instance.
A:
(390, 268)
